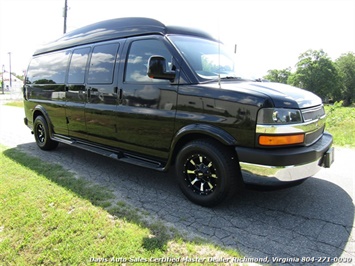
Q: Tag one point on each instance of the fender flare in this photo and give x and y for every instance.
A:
(202, 130)
(39, 108)
(205, 129)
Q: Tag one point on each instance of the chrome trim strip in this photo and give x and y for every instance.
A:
(307, 127)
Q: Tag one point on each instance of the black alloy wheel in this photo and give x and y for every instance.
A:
(207, 172)
(42, 135)
(201, 175)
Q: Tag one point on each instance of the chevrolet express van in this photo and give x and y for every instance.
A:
(152, 95)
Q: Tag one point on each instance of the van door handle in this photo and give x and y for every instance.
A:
(115, 90)
(120, 95)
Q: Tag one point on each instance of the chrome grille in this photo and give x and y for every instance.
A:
(313, 113)
(315, 116)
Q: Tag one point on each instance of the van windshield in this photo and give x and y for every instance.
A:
(208, 59)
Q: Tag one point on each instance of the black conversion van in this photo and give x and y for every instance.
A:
(141, 92)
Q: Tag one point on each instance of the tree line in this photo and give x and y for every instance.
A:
(316, 72)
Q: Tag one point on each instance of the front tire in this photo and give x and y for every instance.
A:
(207, 172)
(42, 135)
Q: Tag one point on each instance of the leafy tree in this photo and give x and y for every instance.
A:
(316, 72)
(346, 69)
(280, 76)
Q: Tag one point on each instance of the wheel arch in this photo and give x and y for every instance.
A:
(208, 172)
(200, 131)
(39, 110)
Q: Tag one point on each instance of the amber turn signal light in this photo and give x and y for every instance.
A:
(281, 140)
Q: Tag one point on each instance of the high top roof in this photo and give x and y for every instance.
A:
(114, 29)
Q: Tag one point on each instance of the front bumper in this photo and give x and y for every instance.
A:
(265, 166)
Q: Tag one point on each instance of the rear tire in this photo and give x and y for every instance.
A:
(42, 135)
(207, 172)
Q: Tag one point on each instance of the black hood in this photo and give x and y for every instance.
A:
(282, 95)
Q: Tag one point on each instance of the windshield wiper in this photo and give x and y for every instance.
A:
(224, 78)
(231, 77)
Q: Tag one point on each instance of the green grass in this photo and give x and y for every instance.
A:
(15, 104)
(51, 217)
(341, 124)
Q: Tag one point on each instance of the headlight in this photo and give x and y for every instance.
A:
(273, 129)
(270, 116)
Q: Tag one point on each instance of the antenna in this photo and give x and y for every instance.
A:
(219, 63)
(65, 14)
(235, 58)
(219, 58)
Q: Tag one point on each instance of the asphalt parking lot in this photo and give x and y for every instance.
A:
(313, 221)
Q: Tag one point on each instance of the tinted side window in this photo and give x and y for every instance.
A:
(102, 64)
(78, 65)
(48, 68)
(137, 62)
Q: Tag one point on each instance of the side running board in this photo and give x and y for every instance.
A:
(117, 155)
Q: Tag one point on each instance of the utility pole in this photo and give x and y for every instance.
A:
(10, 69)
(2, 81)
(65, 14)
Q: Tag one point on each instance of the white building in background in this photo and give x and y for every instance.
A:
(15, 82)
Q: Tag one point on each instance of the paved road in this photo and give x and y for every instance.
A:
(314, 220)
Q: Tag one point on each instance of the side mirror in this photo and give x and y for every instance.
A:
(157, 68)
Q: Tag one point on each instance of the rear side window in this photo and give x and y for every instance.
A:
(102, 64)
(48, 68)
(78, 65)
